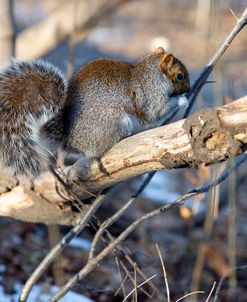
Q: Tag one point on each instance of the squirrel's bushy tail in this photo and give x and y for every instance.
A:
(31, 94)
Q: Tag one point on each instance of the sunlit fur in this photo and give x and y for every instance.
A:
(31, 93)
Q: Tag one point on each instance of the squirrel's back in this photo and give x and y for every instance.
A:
(31, 93)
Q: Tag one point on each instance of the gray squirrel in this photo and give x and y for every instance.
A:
(105, 101)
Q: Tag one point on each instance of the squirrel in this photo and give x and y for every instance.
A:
(105, 101)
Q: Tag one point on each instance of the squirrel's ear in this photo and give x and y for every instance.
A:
(166, 60)
(159, 50)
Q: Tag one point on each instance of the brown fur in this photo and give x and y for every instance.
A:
(107, 100)
(138, 111)
(30, 94)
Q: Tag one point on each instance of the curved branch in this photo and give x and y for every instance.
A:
(207, 136)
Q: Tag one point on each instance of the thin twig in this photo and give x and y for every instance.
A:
(190, 294)
(234, 14)
(132, 279)
(232, 215)
(178, 202)
(56, 250)
(207, 230)
(67, 183)
(107, 223)
(144, 276)
(121, 286)
(211, 291)
(223, 278)
(138, 287)
(125, 253)
(164, 273)
(197, 86)
(122, 279)
(135, 283)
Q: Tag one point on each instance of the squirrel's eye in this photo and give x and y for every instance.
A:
(180, 76)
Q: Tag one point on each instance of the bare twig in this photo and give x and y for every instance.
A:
(234, 14)
(143, 275)
(164, 273)
(223, 278)
(232, 236)
(207, 231)
(56, 250)
(135, 283)
(197, 86)
(135, 289)
(122, 279)
(107, 223)
(190, 294)
(126, 255)
(211, 291)
(121, 286)
(94, 261)
(132, 279)
(125, 252)
(54, 236)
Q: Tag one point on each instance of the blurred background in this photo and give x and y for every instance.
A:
(199, 242)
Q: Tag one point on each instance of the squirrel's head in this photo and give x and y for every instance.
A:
(175, 71)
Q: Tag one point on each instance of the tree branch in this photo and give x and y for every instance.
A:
(24, 204)
(207, 136)
(73, 16)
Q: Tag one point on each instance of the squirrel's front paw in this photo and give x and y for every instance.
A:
(180, 100)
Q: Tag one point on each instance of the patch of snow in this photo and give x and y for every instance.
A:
(2, 268)
(159, 190)
(80, 243)
(37, 294)
(16, 239)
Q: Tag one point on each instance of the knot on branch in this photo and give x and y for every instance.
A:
(210, 141)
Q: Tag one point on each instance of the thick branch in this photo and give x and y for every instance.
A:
(207, 136)
(73, 16)
(24, 204)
